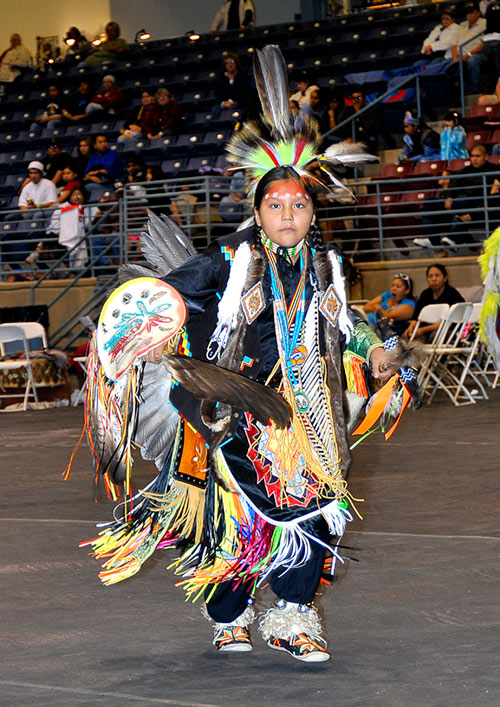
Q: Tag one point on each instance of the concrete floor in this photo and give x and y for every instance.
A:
(415, 622)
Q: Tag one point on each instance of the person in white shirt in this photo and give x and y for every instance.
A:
(38, 193)
(305, 88)
(469, 30)
(441, 39)
(486, 54)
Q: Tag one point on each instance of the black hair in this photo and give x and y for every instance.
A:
(455, 116)
(156, 172)
(99, 135)
(84, 193)
(440, 267)
(407, 281)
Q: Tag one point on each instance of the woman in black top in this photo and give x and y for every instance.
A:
(438, 292)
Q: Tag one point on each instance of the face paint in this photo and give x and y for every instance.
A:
(285, 213)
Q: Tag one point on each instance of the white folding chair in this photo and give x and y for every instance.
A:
(10, 333)
(33, 330)
(448, 354)
(82, 362)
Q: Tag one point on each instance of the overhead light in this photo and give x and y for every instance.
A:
(98, 40)
(192, 35)
(142, 35)
(50, 61)
(70, 41)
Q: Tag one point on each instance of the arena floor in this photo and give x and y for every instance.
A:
(415, 622)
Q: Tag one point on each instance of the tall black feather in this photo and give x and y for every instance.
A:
(272, 85)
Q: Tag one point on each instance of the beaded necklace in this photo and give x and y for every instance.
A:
(289, 318)
(275, 248)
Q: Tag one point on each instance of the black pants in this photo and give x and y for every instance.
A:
(296, 585)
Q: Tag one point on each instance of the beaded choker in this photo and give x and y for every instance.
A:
(275, 247)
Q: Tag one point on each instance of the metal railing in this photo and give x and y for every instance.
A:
(379, 220)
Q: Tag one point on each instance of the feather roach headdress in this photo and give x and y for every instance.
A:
(282, 138)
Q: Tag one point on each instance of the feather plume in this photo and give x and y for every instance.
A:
(132, 270)
(164, 244)
(272, 85)
(209, 382)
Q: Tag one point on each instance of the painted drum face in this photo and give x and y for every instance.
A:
(139, 315)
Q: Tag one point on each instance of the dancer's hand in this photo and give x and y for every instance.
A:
(381, 363)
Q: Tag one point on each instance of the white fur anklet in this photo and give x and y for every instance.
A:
(286, 619)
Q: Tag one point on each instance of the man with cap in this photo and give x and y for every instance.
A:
(55, 161)
(469, 31)
(486, 54)
(38, 193)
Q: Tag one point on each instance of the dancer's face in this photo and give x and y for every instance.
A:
(285, 213)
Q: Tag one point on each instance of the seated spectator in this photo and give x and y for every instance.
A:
(165, 118)
(232, 88)
(78, 46)
(468, 39)
(396, 304)
(136, 169)
(317, 109)
(154, 173)
(104, 167)
(442, 38)
(438, 292)
(113, 48)
(156, 191)
(38, 192)
(70, 181)
(490, 99)
(468, 197)
(109, 99)
(134, 124)
(304, 88)
(234, 14)
(74, 110)
(420, 141)
(369, 126)
(335, 107)
(14, 59)
(453, 137)
(84, 151)
(232, 206)
(52, 114)
(55, 161)
(183, 205)
(485, 56)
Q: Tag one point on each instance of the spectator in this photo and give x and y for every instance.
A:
(113, 48)
(316, 109)
(84, 151)
(55, 162)
(396, 304)
(468, 199)
(109, 99)
(453, 137)
(486, 54)
(335, 108)
(75, 107)
(232, 206)
(420, 141)
(234, 14)
(134, 124)
(304, 88)
(136, 169)
(233, 86)
(438, 292)
(53, 113)
(14, 59)
(38, 192)
(468, 37)
(182, 207)
(369, 125)
(154, 173)
(156, 191)
(442, 38)
(166, 116)
(70, 181)
(78, 45)
(104, 167)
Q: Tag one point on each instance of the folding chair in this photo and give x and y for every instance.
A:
(10, 333)
(447, 355)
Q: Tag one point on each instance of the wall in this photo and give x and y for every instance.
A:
(169, 18)
(52, 17)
